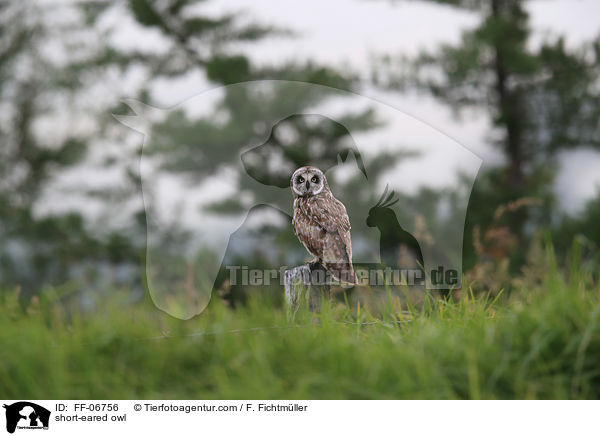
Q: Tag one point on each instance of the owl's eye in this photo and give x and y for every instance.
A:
(300, 179)
(315, 179)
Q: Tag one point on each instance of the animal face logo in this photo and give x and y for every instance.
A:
(216, 170)
(26, 415)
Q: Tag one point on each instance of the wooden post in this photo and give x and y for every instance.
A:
(306, 284)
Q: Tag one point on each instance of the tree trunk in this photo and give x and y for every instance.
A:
(511, 116)
(510, 112)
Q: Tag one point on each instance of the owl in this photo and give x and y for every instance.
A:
(321, 223)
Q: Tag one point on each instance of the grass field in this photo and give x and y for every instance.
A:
(541, 341)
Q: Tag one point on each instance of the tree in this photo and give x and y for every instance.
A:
(541, 100)
(52, 60)
(36, 250)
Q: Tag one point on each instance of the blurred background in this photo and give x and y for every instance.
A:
(514, 82)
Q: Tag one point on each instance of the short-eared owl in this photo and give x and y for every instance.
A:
(321, 223)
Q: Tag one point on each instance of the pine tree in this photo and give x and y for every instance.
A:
(542, 100)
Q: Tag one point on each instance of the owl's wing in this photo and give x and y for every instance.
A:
(331, 215)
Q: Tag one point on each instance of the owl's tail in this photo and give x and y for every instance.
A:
(342, 272)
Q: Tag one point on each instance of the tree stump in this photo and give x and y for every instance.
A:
(306, 284)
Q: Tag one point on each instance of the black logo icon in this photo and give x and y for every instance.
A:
(26, 415)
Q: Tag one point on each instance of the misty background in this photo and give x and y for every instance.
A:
(514, 82)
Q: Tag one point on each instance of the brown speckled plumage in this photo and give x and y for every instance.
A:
(321, 223)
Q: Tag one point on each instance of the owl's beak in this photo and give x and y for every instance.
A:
(307, 185)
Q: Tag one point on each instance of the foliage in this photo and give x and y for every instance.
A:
(541, 99)
(581, 229)
(40, 89)
(54, 61)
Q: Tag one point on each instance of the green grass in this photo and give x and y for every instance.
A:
(542, 341)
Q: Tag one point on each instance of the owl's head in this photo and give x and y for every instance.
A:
(307, 181)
